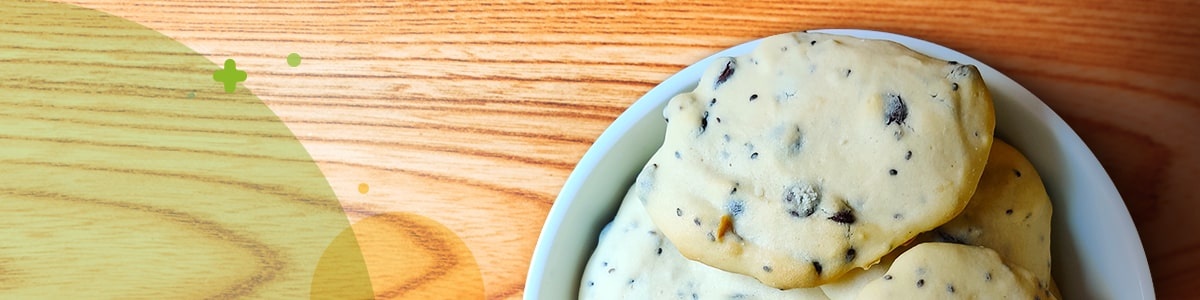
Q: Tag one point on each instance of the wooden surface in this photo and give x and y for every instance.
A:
(472, 114)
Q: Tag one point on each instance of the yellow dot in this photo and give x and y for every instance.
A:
(363, 188)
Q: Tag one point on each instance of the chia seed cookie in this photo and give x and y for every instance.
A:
(848, 286)
(816, 154)
(953, 271)
(1009, 213)
(634, 261)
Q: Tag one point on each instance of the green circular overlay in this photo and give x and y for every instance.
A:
(126, 171)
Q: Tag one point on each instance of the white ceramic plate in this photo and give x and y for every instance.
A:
(1096, 250)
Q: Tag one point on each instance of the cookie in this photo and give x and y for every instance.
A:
(848, 286)
(1010, 213)
(634, 261)
(816, 154)
(953, 271)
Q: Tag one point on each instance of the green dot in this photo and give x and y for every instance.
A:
(294, 59)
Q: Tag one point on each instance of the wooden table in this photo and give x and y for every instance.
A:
(462, 119)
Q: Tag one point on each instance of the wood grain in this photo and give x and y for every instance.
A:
(473, 113)
(126, 175)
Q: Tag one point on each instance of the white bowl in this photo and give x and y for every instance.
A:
(1096, 250)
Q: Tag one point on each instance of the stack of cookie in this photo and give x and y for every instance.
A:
(829, 167)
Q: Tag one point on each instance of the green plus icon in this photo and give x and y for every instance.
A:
(230, 76)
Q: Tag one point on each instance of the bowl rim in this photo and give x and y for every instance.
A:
(652, 100)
